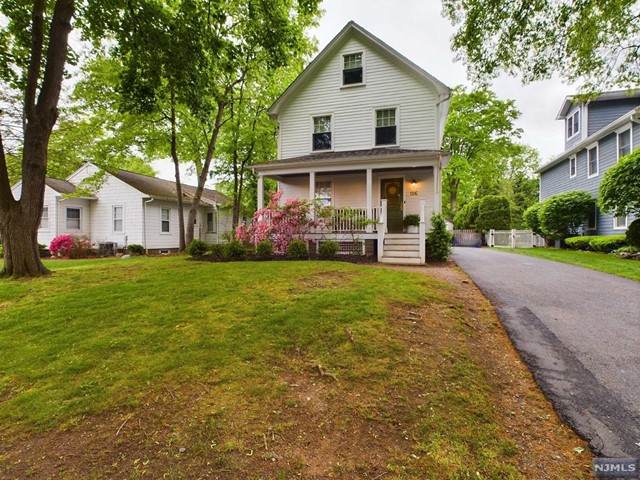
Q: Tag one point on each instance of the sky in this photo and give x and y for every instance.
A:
(417, 29)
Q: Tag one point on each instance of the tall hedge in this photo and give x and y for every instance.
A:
(494, 211)
(563, 215)
(531, 218)
(620, 186)
(467, 216)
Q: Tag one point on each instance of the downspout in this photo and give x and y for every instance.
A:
(144, 224)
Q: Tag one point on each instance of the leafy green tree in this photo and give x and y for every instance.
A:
(519, 183)
(531, 218)
(593, 41)
(494, 211)
(620, 187)
(563, 215)
(480, 134)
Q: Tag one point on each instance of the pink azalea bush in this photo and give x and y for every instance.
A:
(62, 245)
(279, 224)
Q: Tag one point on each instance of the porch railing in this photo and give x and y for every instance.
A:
(349, 219)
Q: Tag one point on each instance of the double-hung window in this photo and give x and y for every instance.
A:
(118, 219)
(165, 220)
(592, 162)
(573, 167)
(352, 69)
(73, 218)
(624, 143)
(573, 124)
(211, 222)
(323, 193)
(386, 127)
(44, 220)
(321, 138)
(620, 222)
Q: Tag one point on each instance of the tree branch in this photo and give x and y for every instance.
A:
(35, 62)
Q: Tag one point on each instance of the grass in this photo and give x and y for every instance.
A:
(103, 338)
(601, 262)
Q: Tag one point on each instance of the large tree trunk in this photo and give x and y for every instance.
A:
(19, 219)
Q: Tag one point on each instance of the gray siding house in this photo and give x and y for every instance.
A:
(597, 133)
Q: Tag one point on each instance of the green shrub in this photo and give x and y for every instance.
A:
(531, 218)
(328, 249)
(579, 243)
(411, 220)
(439, 240)
(607, 243)
(619, 192)
(235, 250)
(563, 215)
(216, 250)
(81, 248)
(264, 249)
(297, 249)
(628, 249)
(197, 248)
(467, 216)
(633, 233)
(1, 251)
(135, 249)
(494, 211)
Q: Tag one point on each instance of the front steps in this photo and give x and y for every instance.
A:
(401, 248)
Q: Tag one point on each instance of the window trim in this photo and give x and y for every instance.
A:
(364, 69)
(45, 208)
(626, 222)
(375, 126)
(573, 158)
(333, 129)
(113, 219)
(315, 190)
(162, 209)
(626, 128)
(66, 218)
(597, 149)
(569, 120)
(214, 221)
(595, 221)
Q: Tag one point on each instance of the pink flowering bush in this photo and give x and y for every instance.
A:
(62, 245)
(279, 224)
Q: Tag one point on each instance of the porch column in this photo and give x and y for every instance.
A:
(422, 232)
(260, 191)
(370, 198)
(437, 195)
(312, 194)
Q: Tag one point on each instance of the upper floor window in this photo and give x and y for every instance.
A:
(573, 124)
(211, 222)
(165, 220)
(386, 127)
(73, 218)
(321, 133)
(352, 70)
(323, 193)
(624, 143)
(118, 219)
(573, 167)
(592, 162)
(44, 220)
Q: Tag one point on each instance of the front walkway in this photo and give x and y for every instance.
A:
(579, 332)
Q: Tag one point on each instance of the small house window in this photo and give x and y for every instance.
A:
(386, 127)
(73, 218)
(573, 168)
(165, 226)
(592, 160)
(573, 124)
(322, 133)
(118, 215)
(624, 143)
(592, 220)
(44, 220)
(211, 222)
(352, 69)
(323, 193)
(620, 222)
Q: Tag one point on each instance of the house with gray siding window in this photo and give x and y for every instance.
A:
(597, 133)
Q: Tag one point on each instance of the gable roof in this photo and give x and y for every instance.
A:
(60, 186)
(613, 95)
(352, 29)
(166, 189)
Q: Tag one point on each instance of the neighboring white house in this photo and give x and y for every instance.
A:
(129, 208)
(361, 127)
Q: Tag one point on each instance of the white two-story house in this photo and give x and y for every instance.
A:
(361, 128)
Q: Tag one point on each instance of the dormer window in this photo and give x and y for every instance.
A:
(352, 71)
(573, 124)
(321, 138)
(386, 127)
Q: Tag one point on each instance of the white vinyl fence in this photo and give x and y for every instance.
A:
(467, 238)
(514, 239)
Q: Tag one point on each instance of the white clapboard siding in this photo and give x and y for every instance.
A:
(387, 86)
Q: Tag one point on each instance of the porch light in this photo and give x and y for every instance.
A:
(413, 183)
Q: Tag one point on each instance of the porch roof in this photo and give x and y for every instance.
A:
(352, 159)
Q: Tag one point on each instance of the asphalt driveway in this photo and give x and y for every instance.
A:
(579, 332)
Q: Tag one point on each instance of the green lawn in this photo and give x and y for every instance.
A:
(233, 358)
(601, 262)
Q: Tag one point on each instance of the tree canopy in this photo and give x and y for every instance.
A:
(591, 41)
(620, 187)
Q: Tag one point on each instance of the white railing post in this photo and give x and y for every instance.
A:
(422, 233)
(369, 187)
(492, 240)
(513, 239)
(382, 228)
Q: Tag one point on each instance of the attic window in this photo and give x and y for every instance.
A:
(321, 137)
(573, 124)
(352, 72)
